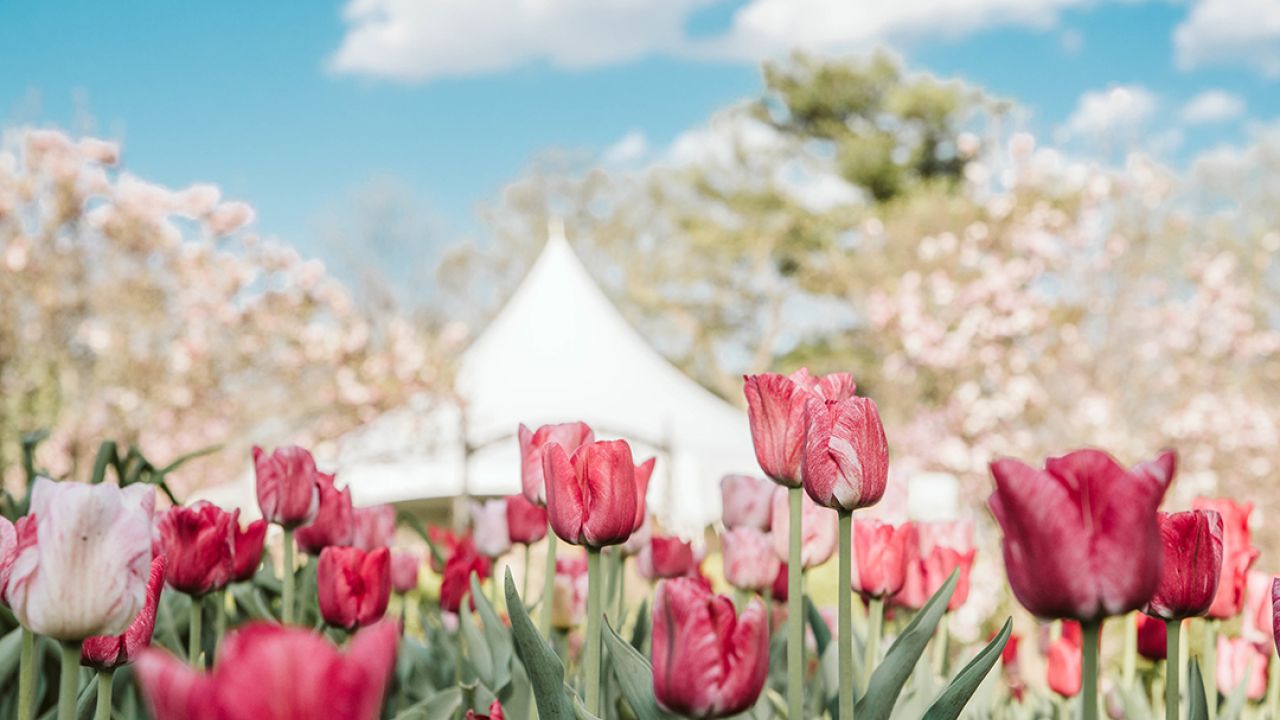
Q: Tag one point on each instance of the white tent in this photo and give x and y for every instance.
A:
(558, 351)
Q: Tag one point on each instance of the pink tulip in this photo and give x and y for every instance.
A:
(489, 528)
(1238, 554)
(199, 541)
(404, 570)
(288, 486)
(455, 582)
(776, 411)
(82, 559)
(819, 526)
(643, 472)
(353, 586)
(266, 671)
(526, 522)
(591, 497)
(375, 527)
(880, 556)
(495, 713)
(1192, 562)
(1240, 661)
(941, 549)
(747, 501)
(247, 550)
(569, 595)
(1065, 667)
(1081, 538)
(1257, 609)
(8, 549)
(334, 523)
(1275, 608)
(107, 652)
(846, 460)
(749, 561)
(667, 557)
(569, 436)
(708, 661)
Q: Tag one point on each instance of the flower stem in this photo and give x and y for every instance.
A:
(795, 620)
(1129, 669)
(548, 585)
(104, 696)
(844, 635)
(622, 590)
(1209, 669)
(1089, 695)
(1172, 669)
(524, 581)
(195, 632)
(594, 617)
(219, 621)
(69, 681)
(27, 675)
(286, 601)
(875, 621)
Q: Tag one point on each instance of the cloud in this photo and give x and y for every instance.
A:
(629, 149)
(1105, 114)
(1212, 106)
(1230, 32)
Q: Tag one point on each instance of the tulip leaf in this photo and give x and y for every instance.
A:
(497, 639)
(106, 457)
(640, 631)
(1197, 706)
(956, 696)
(635, 677)
(892, 673)
(443, 704)
(546, 673)
(10, 650)
(477, 650)
(821, 633)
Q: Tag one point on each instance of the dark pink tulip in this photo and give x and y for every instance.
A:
(526, 522)
(1153, 637)
(199, 541)
(643, 472)
(749, 560)
(288, 486)
(1081, 539)
(353, 586)
(375, 527)
(1240, 661)
(776, 411)
(247, 550)
(881, 553)
(569, 436)
(495, 713)
(266, 671)
(1238, 554)
(334, 523)
(106, 652)
(591, 498)
(747, 501)
(708, 662)
(1275, 612)
(670, 557)
(846, 460)
(1192, 562)
(404, 570)
(455, 581)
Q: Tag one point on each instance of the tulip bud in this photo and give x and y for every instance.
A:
(591, 497)
(1153, 637)
(1240, 661)
(1192, 562)
(1065, 671)
(288, 486)
(708, 661)
(375, 527)
(1257, 609)
(747, 501)
(247, 550)
(82, 559)
(643, 472)
(776, 412)
(404, 570)
(846, 461)
(749, 561)
(1238, 554)
(107, 652)
(353, 586)
(1061, 559)
(666, 557)
(569, 436)
(819, 527)
(881, 553)
(199, 542)
(334, 523)
(489, 528)
(526, 522)
(456, 582)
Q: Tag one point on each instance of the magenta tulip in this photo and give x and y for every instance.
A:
(591, 497)
(1192, 562)
(569, 436)
(353, 586)
(199, 541)
(106, 652)
(1238, 554)
(1153, 637)
(846, 460)
(747, 501)
(288, 486)
(247, 550)
(526, 522)
(404, 570)
(334, 523)
(749, 560)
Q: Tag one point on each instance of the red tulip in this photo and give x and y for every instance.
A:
(107, 652)
(569, 436)
(1009, 666)
(246, 551)
(819, 527)
(334, 523)
(846, 460)
(1240, 661)
(266, 671)
(456, 582)
(375, 527)
(1153, 637)
(353, 586)
(780, 588)
(495, 713)
(1080, 536)
(708, 662)
(643, 472)
(199, 541)
(776, 411)
(404, 570)
(1065, 671)
(1238, 554)
(526, 522)
(881, 553)
(1192, 561)
(747, 501)
(749, 560)
(288, 486)
(591, 498)
(444, 542)
(1257, 609)
(671, 557)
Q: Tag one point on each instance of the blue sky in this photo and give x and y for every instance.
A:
(295, 106)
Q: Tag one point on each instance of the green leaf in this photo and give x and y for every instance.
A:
(892, 673)
(956, 696)
(546, 673)
(188, 457)
(1197, 706)
(477, 649)
(106, 456)
(443, 704)
(635, 677)
(640, 631)
(10, 650)
(496, 637)
(821, 633)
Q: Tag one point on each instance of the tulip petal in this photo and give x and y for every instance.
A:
(565, 505)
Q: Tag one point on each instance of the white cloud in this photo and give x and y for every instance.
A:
(630, 148)
(1230, 32)
(1105, 114)
(1212, 106)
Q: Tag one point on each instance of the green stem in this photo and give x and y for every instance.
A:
(195, 631)
(1172, 668)
(844, 635)
(219, 621)
(27, 675)
(69, 680)
(548, 585)
(286, 609)
(104, 696)
(524, 581)
(1209, 666)
(622, 590)
(795, 619)
(875, 621)
(942, 648)
(594, 617)
(1130, 666)
(1089, 695)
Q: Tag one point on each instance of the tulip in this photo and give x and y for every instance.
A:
(1257, 625)
(882, 553)
(1240, 662)
(569, 595)
(272, 672)
(1152, 637)
(591, 498)
(747, 501)
(334, 523)
(819, 529)
(495, 712)
(8, 548)
(456, 582)
(1238, 555)
(667, 557)
(1192, 561)
(1064, 668)
(776, 412)
(569, 436)
(288, 486)
(353, 586)
(526, 522)
(489, 528)
(107, 652)
(199, 542)
(404, 570)
(749, 561)
(375, 527)
(781, 590)
(643, 472)
(846, 460)
(708, 661)
(247, 550)
(443, 543)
